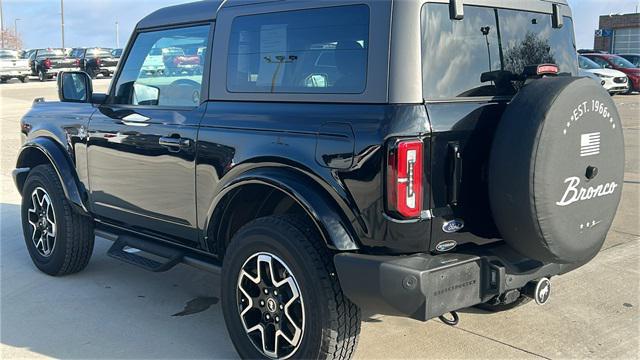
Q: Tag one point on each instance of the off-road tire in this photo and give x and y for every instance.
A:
(332, 322)
(74, 232)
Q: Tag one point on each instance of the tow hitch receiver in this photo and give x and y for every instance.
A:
(539, 290)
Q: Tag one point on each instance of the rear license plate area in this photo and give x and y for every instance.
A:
(452, 286)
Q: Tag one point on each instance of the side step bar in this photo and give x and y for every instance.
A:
(117, 251)
(165, 255)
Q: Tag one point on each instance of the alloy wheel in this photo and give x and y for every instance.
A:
(270, 305)
(42, 219)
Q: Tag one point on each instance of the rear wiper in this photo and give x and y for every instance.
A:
(498, 76)
(529, 72)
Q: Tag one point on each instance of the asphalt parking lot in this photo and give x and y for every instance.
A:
(117, 311)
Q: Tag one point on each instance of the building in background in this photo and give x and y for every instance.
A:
(618, 34)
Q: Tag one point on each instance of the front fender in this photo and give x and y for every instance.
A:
(60, 161)
(334, 227)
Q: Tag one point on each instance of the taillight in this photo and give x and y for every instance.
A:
(548, 69)
(47, 63)
(405, 177)
(77, 62)
(98, 62)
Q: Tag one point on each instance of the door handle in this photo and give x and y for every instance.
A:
(135, 120)
(174, 142)
(455, 172)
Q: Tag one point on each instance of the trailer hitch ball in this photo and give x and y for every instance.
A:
(539, 290)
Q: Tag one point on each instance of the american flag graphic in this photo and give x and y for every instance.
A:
(590, 144)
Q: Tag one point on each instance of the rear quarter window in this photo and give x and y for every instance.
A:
(319, 51)
(455, 54)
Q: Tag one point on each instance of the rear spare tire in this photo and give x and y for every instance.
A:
(556, 170)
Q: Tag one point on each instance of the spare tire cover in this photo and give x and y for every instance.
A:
(556, 169)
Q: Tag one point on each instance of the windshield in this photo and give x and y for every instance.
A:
(51, 53)
(8, 54)
(98, 52)
(621, 62)
(586, 63)
(483, 53)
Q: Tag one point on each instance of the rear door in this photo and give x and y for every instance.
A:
(467, 65)
(141, 150)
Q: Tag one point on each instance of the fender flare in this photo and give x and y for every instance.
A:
(335, 229)
(61, 162)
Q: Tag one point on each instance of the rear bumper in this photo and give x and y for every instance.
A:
(56, 71)
(424, 286)
(13, 73)
(107, 70)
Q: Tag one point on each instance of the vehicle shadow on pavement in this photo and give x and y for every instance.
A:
(110, 310)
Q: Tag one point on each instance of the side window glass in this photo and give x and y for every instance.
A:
(164, 68)
(600, 62)
(320, 50)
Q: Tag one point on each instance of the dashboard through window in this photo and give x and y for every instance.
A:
(164, 68)
(321, 51)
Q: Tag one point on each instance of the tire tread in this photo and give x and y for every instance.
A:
(345, 316)
(79, 228)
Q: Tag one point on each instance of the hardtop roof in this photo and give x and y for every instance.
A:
(199, 11)
(207, 10)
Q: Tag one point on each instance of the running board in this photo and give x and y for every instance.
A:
(165, 255)
(124, 249)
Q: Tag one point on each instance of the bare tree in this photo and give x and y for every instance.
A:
(11, 41)
(533, 50)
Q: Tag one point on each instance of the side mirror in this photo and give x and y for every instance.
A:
(145, 94)
(74, 86)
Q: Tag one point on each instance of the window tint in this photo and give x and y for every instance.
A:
(586, 63)
(164, 68)
(98, 53)
(600, 61)
(496, 43)
(621, 62)
(8, 54)
(305, 51)
(74, 53)
(50, 53)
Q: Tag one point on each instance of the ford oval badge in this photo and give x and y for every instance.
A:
(452, 226)
(446, 245)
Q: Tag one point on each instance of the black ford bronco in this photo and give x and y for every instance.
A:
(406, 157)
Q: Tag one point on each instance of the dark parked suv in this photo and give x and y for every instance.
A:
(95, 61)
(406, 157)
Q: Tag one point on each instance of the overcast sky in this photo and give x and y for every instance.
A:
(92, 22)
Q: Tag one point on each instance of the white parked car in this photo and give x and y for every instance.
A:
(153, 63)
(12, 66)
(590, 75)
(615, 82)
